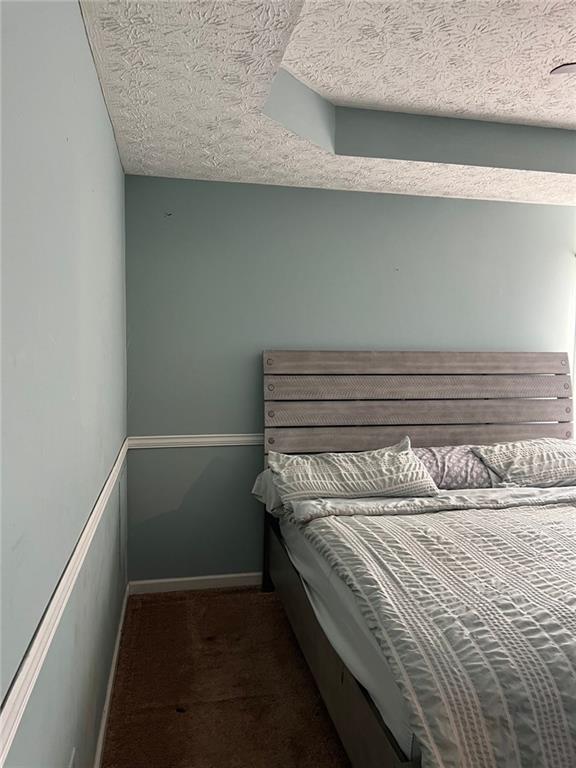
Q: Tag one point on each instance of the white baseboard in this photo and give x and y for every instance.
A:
(163, 585)
(113, 665)
(196, 582)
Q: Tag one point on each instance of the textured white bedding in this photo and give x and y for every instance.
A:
(339, 616)
(472, 598)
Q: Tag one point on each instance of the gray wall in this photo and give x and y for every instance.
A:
(192, 513)
(63, 345)
(218, 272)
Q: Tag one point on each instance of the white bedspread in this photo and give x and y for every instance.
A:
(472, 599)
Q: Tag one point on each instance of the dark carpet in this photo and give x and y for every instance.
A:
(215, 679)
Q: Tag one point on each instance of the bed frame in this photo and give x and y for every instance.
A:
(354, 401)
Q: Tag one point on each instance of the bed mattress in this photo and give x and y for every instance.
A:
(338, 614)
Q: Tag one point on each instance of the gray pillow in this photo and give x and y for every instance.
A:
(266, 492)
(454, 467)
(544, 462)
(392, 471)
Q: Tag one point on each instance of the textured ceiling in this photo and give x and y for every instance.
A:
(483, 59)
(185, 83)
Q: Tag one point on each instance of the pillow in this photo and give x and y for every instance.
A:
(544, 462)
(454, 467)
(393, 471)
(266, 492)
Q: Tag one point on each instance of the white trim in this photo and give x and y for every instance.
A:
(195, 582)
(194, 441)
(27, 675)
(19, 695)
(108, 698)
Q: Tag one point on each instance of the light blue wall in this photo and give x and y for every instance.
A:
(433, 139)
(65, 709)
(63, 349)
(301, 110)
(218, 272)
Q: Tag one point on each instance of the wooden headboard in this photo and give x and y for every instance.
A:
(356, 401)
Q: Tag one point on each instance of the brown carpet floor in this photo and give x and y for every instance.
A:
(215, 679)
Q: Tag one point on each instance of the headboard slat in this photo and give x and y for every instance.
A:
(325, 362)
(354, 401)
(384, 412)
(415, 387)
(322, 439)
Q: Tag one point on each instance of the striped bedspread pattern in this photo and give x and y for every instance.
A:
(475, 611)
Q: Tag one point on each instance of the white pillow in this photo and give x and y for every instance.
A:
(266, 492)
(391, 471)
(543, 462)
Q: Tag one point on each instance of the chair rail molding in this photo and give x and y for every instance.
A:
(195, 441)
(25, 680)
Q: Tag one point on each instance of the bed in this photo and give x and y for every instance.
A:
(355, 401)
